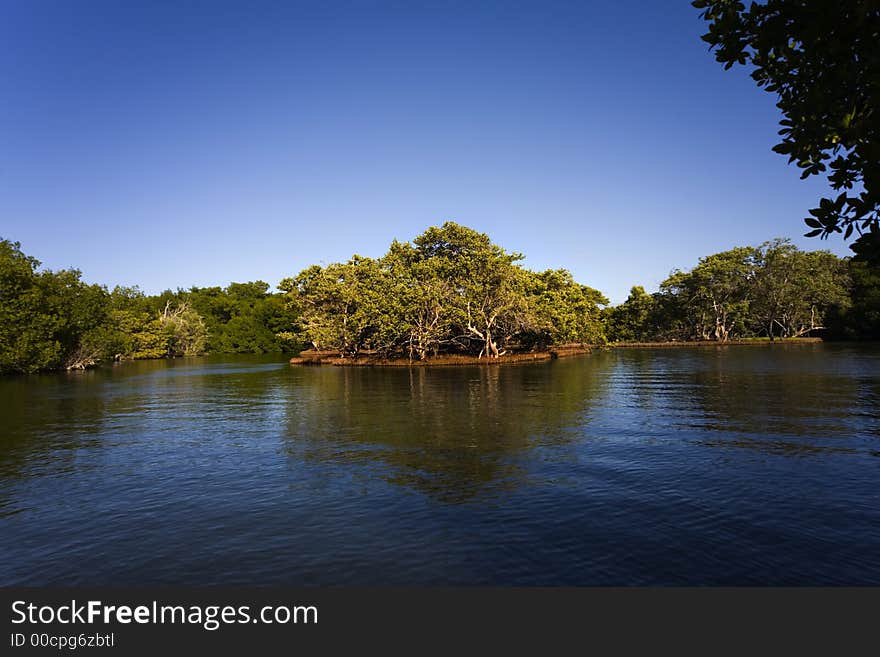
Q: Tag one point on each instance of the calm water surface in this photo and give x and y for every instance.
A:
(738, 465)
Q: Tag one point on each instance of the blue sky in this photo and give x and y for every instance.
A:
(170, 144)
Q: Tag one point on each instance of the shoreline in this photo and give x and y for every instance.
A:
(311, 357)
(763, 342)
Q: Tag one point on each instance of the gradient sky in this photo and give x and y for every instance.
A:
(170, 144)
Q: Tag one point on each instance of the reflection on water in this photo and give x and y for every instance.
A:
(737, 465)
(452, 433)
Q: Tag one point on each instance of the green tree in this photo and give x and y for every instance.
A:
(822, 60)
(45, 316)
(132, 329)
(669, 319)
(861, 318)
(184, 330)
(564, 310)
(241, 318)
(449, 291)
(78, 311)
(423, 291)
(774, 290)
(715, 294)
(135, 335)
(488, 301)
(26, 328)
(52, 319)
(793, 290)
(630, 321)
(341, 305)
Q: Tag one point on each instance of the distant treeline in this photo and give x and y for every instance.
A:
(53, 320)
(449, 291)
(772, 291)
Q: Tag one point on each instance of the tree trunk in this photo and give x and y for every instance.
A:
(491, 347)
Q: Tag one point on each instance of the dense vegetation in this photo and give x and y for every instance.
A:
(449, 291)
(774, 290)
(53, 320)
(821, 59)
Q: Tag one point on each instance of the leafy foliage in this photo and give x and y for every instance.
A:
(449, 291)
(822, 60)
(42, 314)
(241, 318)
(774, 290)
(52, 320)
(715, 294)
(860, 318)
(793, 292)
(631, 320)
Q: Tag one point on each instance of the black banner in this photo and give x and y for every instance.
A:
(282, 621)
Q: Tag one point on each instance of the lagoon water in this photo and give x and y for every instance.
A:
(733, 465)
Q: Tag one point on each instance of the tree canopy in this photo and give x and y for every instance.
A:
(53, 320)
(774, 290)
(43, 314)
(451, 290)
(821, 58)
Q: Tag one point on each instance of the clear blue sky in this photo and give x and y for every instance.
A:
(172, 144)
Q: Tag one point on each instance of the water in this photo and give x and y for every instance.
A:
(738, 465)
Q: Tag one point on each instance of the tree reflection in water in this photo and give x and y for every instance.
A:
(451, 432)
